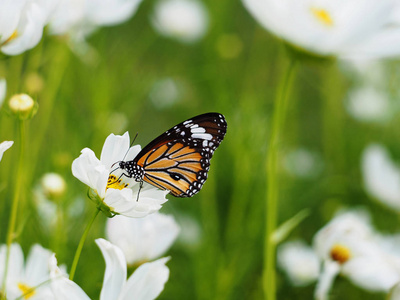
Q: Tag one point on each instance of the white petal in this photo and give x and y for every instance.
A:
(381, 176)
(115, 274)
(114, 149)
(187, 21)
(88, 169)
(3, 90)
(30, 30)
(36, 270)
(147, 282)
(142, 238)
(62, 287)
(372, 273)
(330, 271)
(10, 13)
(124, 202)
(4, 146)
(395, 292)
(110, 12)
(299, 261)
(15, 264)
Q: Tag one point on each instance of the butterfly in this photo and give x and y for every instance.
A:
(179, 159)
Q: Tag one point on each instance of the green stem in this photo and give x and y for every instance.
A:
(14, 208)
(269, 281)
(80, 246)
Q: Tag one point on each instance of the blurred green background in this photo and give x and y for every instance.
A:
(235, 70)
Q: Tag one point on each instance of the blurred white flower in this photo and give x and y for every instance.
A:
(164, 93)
(5, 146)
(81, 17)
(354, 28)
(184, 20)
(191, 231)
(120, 197)
(146, 283)
(381, 176)
(22, 23)
(302, 163)
(366, 103)
(24, 278)
(3, 90)
(349, 245)
(299, 262)
(53, 185)
(142, 239)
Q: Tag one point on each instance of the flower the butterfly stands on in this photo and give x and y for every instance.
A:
(177, 161)
(118, 198)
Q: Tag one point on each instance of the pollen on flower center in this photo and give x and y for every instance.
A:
(340, 253)
(13, 36)
(115, 183)
(322, 15)
(26, 290)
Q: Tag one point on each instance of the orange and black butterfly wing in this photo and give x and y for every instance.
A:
(179, 159)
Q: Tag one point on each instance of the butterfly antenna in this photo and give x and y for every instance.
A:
(130, 145)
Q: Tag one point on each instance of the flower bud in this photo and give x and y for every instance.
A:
(53, 185)
(23, 106)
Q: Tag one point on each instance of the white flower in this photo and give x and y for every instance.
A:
(25, 278)
(4, 146)
(302, 163)
(350, 246)
(53, 184)
(381, 176)
(165, 93)
(299, 262)
(3, 91)
(353, 28)
(120, 199)
(184, 20)
(366, 103)
(21, 24)
(142, 239)
(146, 283)
(81, 17)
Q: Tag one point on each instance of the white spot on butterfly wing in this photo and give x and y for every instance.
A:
(198, 130)
(203, 136)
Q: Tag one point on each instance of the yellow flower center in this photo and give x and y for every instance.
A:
(340, 253)
(26, 290)
(322, 15)
(13, 36)
(115, 183)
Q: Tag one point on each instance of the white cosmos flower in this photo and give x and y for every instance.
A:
(381, 176)
(345, 28)
(5, 146)
(184, 20)
(22, 23)
(81, 17)
(299, 261)
(350, 246)
(120, 199)
(142, 239)
(146, 283)
(366, 103)
(23, 277)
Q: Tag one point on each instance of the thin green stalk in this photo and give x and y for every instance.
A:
(18, 185)
(80, 246)
(269, 281)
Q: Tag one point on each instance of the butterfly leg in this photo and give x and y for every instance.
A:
(140, 187)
